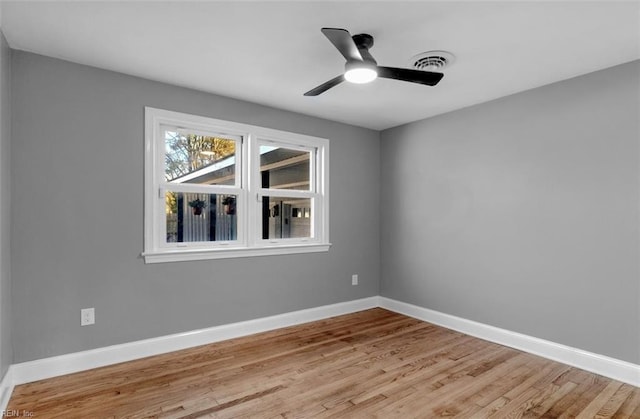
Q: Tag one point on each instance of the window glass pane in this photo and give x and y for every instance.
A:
(199, 159)
(284, 218)
(283, 168)
(197, 217)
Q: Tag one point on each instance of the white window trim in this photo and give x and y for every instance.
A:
(247, 187)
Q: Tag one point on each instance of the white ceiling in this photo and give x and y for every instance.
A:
(272, 52)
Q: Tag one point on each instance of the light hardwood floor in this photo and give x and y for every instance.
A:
(374, 363)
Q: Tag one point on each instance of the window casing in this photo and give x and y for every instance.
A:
(220, 189)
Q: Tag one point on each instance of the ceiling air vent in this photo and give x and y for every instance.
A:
(432, 60)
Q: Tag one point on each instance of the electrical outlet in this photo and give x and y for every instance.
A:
(354, 279)
(87, 316)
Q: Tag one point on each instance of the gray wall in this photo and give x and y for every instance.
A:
(522, 213)
(6, 352)
(77, 155)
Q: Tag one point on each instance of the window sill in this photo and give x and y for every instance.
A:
(204, 254)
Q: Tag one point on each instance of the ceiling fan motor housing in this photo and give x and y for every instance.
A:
(364, 41)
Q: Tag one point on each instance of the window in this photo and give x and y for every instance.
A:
(219, 189)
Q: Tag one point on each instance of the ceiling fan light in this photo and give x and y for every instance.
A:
(360, 74)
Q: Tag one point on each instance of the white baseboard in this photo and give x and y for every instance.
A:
(6, 388)
(589, 361)
(40, 369)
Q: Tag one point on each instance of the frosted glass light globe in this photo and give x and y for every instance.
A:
(360, 74)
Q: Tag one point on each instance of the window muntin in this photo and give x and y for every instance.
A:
(209, 185)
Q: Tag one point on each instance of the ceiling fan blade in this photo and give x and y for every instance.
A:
(341, 39)
(325, 86)
(414, 76)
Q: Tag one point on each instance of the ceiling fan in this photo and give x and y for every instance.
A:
(361, 66)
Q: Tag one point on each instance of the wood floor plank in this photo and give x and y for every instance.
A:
(548, 399)
(627, 408)
(594, 406)
(373, 363)
(615, 402)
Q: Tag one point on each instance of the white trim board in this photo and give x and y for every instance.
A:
(589, 361)
(80, 361)
(40, 369)
(6, 389)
